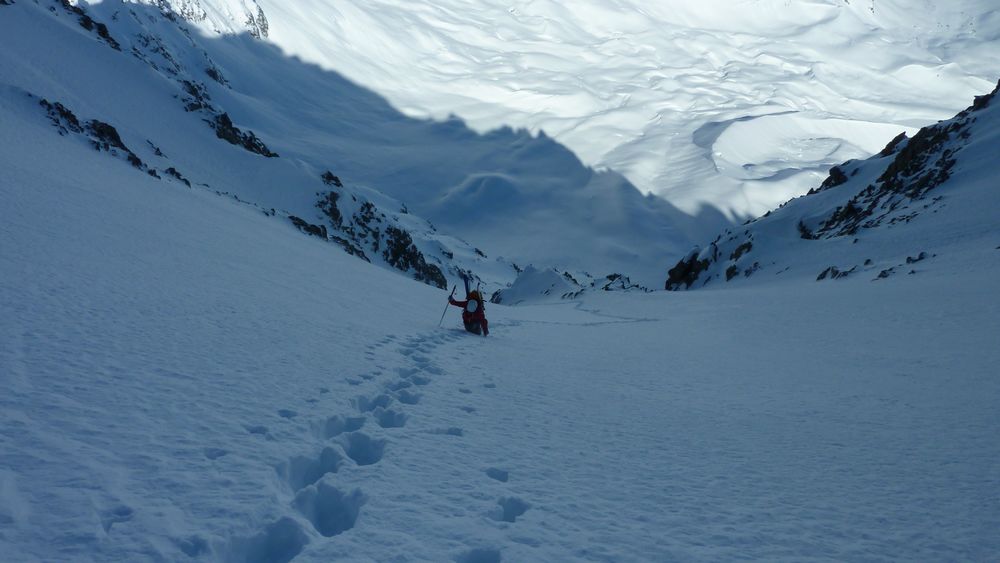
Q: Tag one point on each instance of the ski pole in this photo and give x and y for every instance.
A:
(446, 306)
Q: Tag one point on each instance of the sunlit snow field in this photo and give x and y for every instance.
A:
(666, 92)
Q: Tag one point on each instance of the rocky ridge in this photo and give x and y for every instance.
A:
(891, 189)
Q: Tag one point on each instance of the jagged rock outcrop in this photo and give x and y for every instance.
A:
(687, 270)
(368, 232)
(86, 22)
(891, 189)
(534, 285)
(225, 130)
(235, 16)
(101, 136)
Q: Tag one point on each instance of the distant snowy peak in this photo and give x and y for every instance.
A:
(885, 203)
(217, 16)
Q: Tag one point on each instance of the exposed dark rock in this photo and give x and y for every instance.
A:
(613, 282)
(137, 162)
(106, 135)
(88, 23)
(328, 205)
(835, 273)
(847, 216)
(257, 23)
(150, 49)
(102, 136)
(741, 250)
(331, 180)
(402, 254)
(216, 75)
(893, 145)
(920, 165)
(198, 97)
(308, 228)
(156, 149)
(173, 172)
(225, 130)
(368, 227)
(912, 173)
(918, 258)
(102, 32)
(982, 102)
(836, 178)
(732, 272)
(805, 233)
(350, 247)
(686, 271)
(64, 119)
(367, 223)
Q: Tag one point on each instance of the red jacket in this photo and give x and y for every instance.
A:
(477, 317)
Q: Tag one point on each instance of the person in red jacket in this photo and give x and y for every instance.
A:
(473, 313)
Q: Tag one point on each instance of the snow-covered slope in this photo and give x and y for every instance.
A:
(924, 203)
(187, 379)
(735, 105)
(232, 113)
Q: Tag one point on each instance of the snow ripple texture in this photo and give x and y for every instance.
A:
(737, 105)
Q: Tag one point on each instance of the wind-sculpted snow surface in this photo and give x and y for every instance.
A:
(924, 203)
(735, 105)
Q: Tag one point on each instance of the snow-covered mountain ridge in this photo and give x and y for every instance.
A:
(521, 198)
(919, 200)
(731, 105)
(230, 113)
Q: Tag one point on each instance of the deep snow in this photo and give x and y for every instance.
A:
(187, 378)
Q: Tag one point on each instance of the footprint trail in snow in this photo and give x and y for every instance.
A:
(359, 437)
